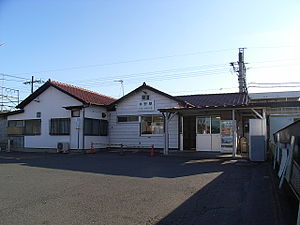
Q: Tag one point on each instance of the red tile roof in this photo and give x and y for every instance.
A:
(83, 94)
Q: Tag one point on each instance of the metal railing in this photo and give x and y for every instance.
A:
(122, 148)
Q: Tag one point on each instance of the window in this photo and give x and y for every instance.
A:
(75, 113)
(38, 114)
(60, 126)
(208, 125)
(15, 123)
(203, 125)
(103, 127)
(123, 119)
(95, 127)
(15, 127)
(32, 127)
(152, 124)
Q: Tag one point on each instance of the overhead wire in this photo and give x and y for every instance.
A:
(160, 77)
(13, 76)
(127, 61)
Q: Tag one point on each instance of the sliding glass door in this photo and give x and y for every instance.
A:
(208, 134)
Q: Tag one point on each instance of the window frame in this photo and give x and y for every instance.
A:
(26, 133)
(102, 129)
(73, 111)
(152, 121)
(59, 132)
(127, 117)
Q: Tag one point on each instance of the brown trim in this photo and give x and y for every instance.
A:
(12, 112)
(73, 107)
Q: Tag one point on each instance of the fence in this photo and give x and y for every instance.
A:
(286, 155)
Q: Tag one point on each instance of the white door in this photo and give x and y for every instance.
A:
(208, 134)
(203, 142)
(215, 134)
(215, 142)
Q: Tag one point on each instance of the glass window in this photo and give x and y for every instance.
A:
(15, 127)
(123, 119)
(203, 125)
(75, 113)
(208, 125)
(103, 127)
(60, 126)
(32, 127)
(15, 123)
(95, 127)
(152, 124)
(215, 125)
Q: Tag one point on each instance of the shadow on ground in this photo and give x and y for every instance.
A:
(130, 164)
(243, 194)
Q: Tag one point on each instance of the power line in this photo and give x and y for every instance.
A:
(274, 86)
(8, 75)
(147, 75)
(201, 90)
(275, 83)
(127, 61)
(159, 77)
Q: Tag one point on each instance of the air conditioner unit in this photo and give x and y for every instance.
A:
(63, 147)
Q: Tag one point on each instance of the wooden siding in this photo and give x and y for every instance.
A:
(128, 133)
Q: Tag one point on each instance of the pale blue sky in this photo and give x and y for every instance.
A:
(71, 40)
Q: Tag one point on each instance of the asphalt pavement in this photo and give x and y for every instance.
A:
(106, 188)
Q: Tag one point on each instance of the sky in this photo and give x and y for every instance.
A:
(180, 47)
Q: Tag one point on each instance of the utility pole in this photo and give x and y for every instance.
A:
(32, 82)
(240, 68)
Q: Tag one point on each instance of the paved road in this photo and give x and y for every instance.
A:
(106, 188)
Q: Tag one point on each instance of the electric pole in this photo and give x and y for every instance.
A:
(32, 82)
(240, 68)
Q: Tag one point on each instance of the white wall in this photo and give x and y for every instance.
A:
(129, 133)
(50, 103)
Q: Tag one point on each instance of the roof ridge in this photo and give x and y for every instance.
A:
(80, 88)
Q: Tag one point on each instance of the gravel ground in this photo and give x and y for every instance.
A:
(106, 188)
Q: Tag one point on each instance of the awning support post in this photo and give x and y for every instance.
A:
(234, 134)
(167, 118)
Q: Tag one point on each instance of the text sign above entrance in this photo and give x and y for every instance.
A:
(146, 106)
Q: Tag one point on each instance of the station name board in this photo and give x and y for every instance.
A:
(146, 106)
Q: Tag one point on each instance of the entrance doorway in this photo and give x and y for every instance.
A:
(189, 133)
(208, 134)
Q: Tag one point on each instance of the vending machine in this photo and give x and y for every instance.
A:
(227, 135)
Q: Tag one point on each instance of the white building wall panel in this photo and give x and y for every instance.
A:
(50, 103)
(129, 133)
